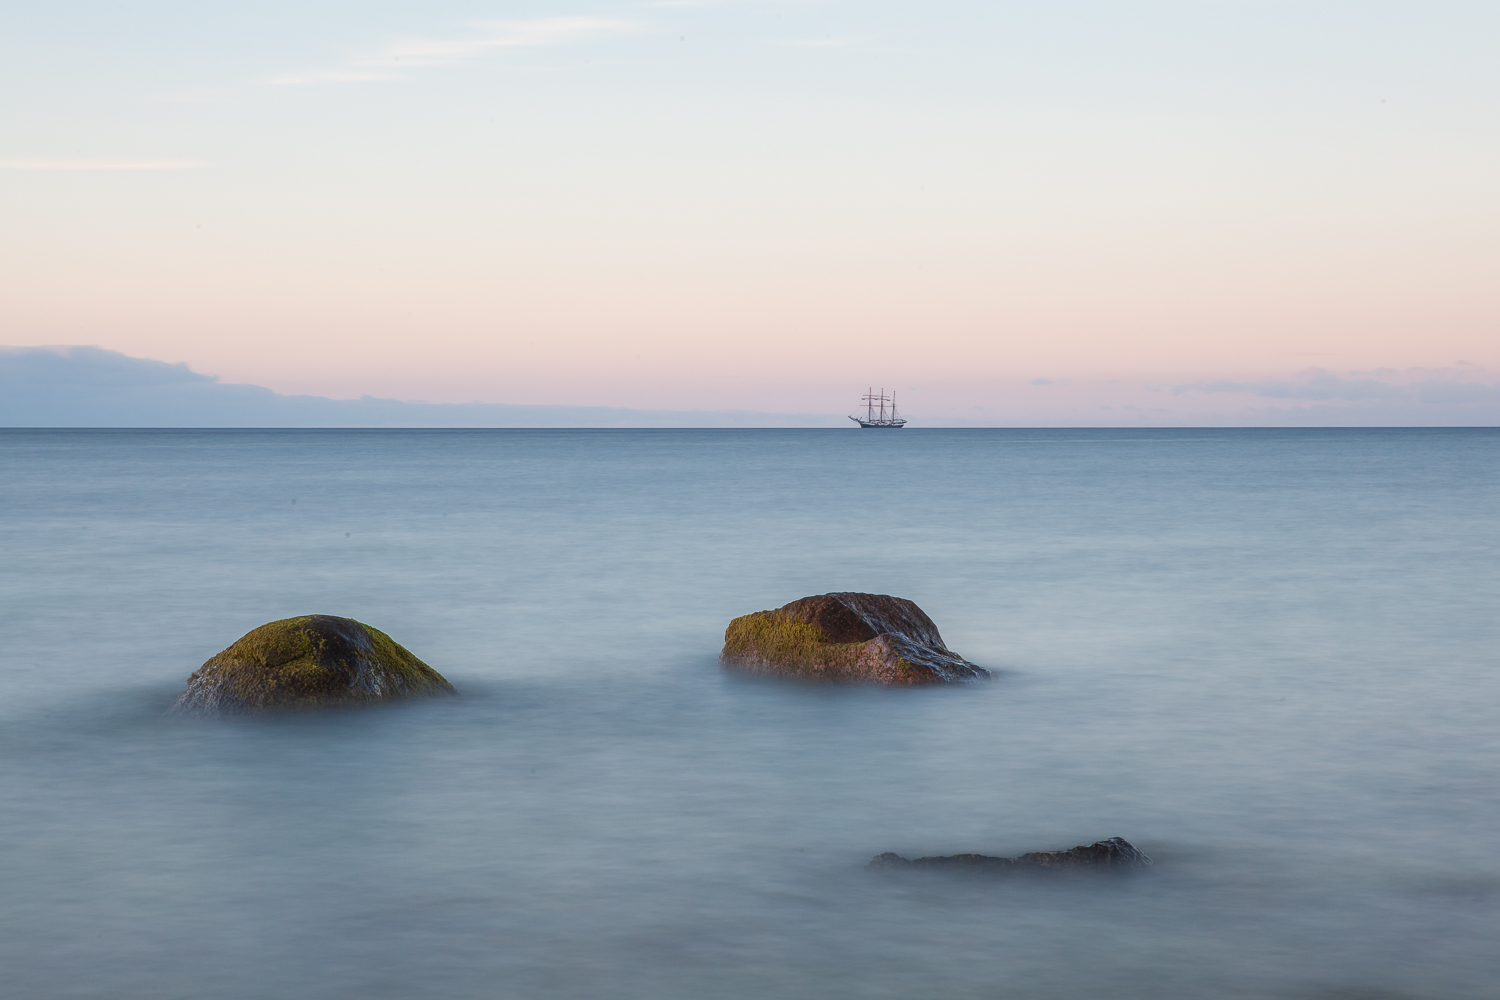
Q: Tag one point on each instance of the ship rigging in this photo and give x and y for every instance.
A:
(876, 412)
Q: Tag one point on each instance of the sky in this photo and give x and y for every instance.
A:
(1011, 213)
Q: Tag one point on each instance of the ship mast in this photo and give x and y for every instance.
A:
(875, 411)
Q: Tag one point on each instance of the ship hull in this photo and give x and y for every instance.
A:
(878, 417)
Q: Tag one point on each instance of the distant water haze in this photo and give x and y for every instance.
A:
(756, 206)
(85, 386)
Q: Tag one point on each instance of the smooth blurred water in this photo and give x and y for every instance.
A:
(1268, 658)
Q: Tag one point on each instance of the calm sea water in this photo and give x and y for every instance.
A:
(1267, 658)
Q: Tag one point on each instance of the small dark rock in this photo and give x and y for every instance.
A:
(1116, 852)
(869, 638)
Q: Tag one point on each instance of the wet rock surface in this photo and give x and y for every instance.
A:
(313, 661)
(1116, 852)
(847, 637)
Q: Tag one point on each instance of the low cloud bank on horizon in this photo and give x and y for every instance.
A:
(87, 386)
(1414, 385)
(82, 386)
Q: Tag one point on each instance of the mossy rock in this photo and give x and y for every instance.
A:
(847, 637)
(315, 661)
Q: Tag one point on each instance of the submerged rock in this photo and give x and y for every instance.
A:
(867, 638)
(315, 661)
(1116, 852)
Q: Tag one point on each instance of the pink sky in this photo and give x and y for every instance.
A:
(556, 212)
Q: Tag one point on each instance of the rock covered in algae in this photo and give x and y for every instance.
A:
(864, 638)
(1116, 852)
(314, 661)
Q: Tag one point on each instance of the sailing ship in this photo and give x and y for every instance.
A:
(876, 414)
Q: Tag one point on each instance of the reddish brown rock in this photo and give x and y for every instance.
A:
(860, 638)
(1116, 852)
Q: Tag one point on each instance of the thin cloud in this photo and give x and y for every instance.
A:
(830, 42)
(98, 165)
(722, 3)
(402, 58)
(328, 76)
(1308, 385)
(1319, 385)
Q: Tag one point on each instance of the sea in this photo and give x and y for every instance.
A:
(1269, 659)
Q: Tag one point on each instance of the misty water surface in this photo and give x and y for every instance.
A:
(1267, 658)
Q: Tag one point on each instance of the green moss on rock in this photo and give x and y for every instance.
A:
(313, 661)
(866, 638)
